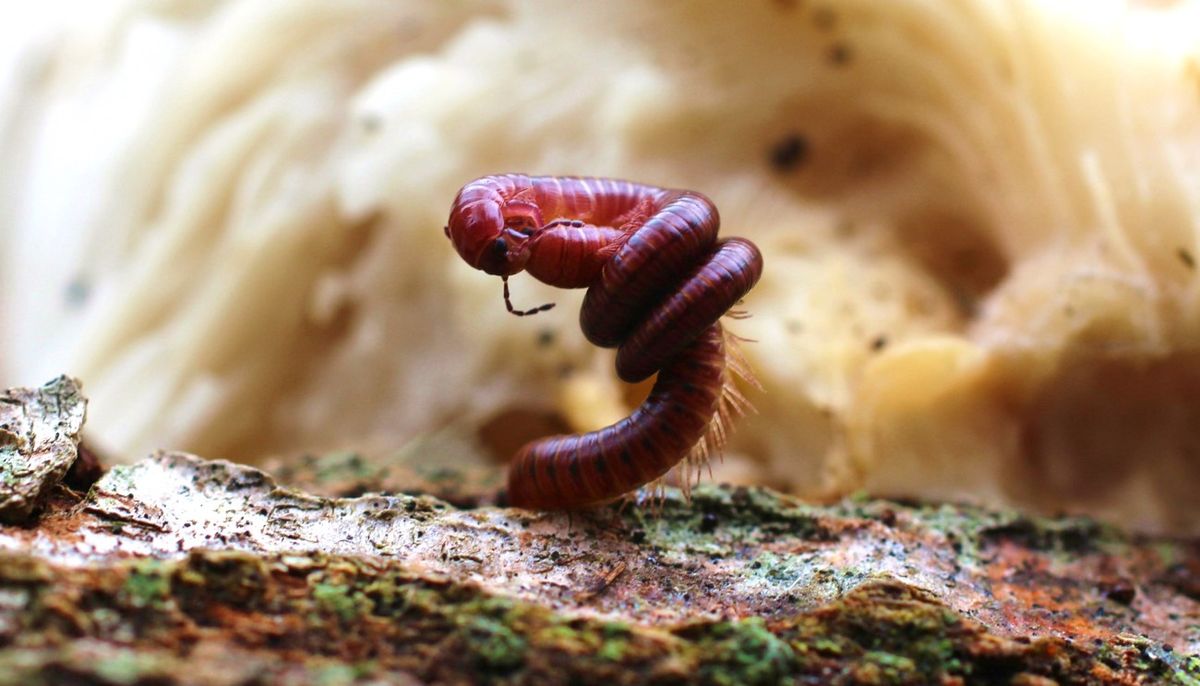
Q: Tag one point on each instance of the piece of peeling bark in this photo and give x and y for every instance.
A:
(183, 570)
(39, 432)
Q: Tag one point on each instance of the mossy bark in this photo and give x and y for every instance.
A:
(182, 570)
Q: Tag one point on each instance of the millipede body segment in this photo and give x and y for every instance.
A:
(658, 281)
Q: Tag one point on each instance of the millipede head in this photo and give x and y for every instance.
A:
(486, 233)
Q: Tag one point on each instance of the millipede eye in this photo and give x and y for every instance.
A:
(499, 247)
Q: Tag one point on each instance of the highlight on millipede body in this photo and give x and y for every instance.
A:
(658, 281)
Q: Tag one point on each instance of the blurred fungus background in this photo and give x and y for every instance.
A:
(980, 218)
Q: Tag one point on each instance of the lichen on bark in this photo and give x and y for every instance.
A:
(39, 432)
(178, 569)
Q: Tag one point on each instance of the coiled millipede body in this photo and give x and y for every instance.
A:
(658, 281)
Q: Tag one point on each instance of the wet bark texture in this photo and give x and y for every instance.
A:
(184, 570)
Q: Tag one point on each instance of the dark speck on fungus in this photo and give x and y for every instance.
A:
(824, 18)
(840, 54)
(789, 153)
(370, 122)
(1186, 257)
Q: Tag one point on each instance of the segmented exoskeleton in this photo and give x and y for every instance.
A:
(658, 281)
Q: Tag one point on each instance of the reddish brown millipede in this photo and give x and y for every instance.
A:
(658, 281)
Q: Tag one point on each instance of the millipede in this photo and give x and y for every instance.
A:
(658, 281)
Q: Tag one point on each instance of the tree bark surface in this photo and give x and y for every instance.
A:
(182, 570)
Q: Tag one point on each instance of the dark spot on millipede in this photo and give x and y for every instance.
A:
(545, 338)
(789, 152)
(627, 457)
(879, 343)
(1185, 256)
(840, 54)
(573, 467)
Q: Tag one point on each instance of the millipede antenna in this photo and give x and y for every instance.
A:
(521, 313)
